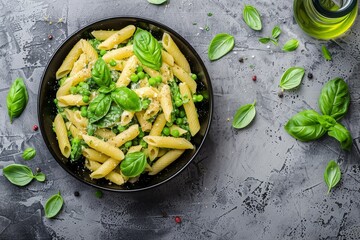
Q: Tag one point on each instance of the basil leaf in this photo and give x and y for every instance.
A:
(274, 41)
(244, 116)
(157, 2)
(18, 174)
(101, 73)
(76, 150)
(335, 98)
(292, 78)
(340, 133)
(276, 32)
(326, 121)
(127, 99)
(147, 49)
(53, 205)
(220, 45)
(252, 18)
(111, 118)
(332, 175)
(17, 99)
(40, 177)
(264, 40)
(99, 107)
(305, 126)
(29, 154)
(291, 45)
(133, 164)
(326, 53)
(105, 90)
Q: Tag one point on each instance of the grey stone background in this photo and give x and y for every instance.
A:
(257, 183)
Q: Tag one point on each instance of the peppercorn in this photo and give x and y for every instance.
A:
(281, 94)
(241, 60)
(35, 127)
(178, 219)
(76, 194)
(254, 78)
(50, 37)
(310, 75)
(38, 170)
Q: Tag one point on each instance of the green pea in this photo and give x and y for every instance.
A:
(166, 131)
(73, 90)
(141, 134)
(141, 75)
(199, 98)
(176, 111)
(152, 81)
(85, 99)
(178, 102)
(86, 93)
(143, 143)
(84, 111)
(128, 144)
(182, 113)
(115, 130)
(81, 84)
(139, 69)
(145, 103)
(121, 128)
(85, 86)
(158, 79)
(102, 52)
(56, 101)
(113, 63)
(169, 124)
(175, 133)
(194, 98)
(193, 76)
(179, 121)
(134, 78)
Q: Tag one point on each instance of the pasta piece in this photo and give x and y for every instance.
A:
(165, 101)
(117, 38)
(147, 92)
(127, 135)
(152, 152)
(153, 73)
(105, 168)
(91, 53)
(76, 133)
(166, 73)
(104, 147)
(102, 34)
(162, 152)
(94, 155)
(148, 168)
(165, 161)
(79, 65)
(75, 118)
(120, 64)
(175, 127)
(104, 133)
(71, 100)
(136, 148)
(184, 77)
(112, 176)
(168, 142)
(158, 125)
(73, 81)
(69, 61)
(126, 117)
(190, 110)
(152, 110)
(145, 125)
(119, 54)
(167, 58)
(129, 69)
(171, 47)
(61, 135)
(144, 83)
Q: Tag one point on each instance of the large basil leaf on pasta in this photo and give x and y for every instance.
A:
(99, 107)
(133, 164)
(127, 99)
(305, 126)
(111, 118)
(101, 73)
(147, 49)
(17, 99)
(340, 133)
(334, 98)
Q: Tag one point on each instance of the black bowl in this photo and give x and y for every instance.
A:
(47, 108)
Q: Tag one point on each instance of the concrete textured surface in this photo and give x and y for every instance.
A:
(256, 183)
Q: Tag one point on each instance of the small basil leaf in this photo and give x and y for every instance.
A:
(220, 45)
(76, 150)
(340, 133)
(53, 205)
(326, 121)
(99, 107)
(29, 154)
(326, 53)
(305, 126)
(157, 2)
(252, 18)
(147, 49)
(18, 174)
(40, 177)
(335, 98)
(127, 99)
(105, 90)
(101, 73)
(16, 99)
(292, 78)
(274, 41)
(133, 164)
(332, 175)
(244, 115)
(276, 32)
(290, 45)
(264, 40)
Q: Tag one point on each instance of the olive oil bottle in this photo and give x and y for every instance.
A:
(325, 19)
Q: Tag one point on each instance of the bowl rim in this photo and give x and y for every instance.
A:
(163, 27)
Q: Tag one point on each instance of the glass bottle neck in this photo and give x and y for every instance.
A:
(346, 7)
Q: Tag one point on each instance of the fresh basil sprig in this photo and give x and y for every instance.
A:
(101, 73)
(127, 99)
(292, 78)
(157, 2)
(53, 205)
(147, 49)
(332, 175)
(99, 107)
(29, 154)
(244, 115)
(340, 133)
(21, 175)
(275, 34)
(326, 53)
(133, 164)
(17, 99)
(291, 45)
(220, 45)
(335, 98)
(252, 17)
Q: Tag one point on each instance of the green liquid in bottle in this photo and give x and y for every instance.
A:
(327, 20)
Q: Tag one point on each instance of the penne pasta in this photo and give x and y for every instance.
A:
(147, 92)
(181, 131)
(71, 100)
(168, 142)
(165, 161)
(171, 47)
(119, 54)
(79, 65)
(158, 125)
(125, 136)
(104, 133)
(129, 69)
(61, 135)
(120, 64)
(113, 176)
(145, 125)
(102, 34)
(184, 77)
(94, 155)
(69, 61)
(190, 110)
(165, 101)
(126, 117)
(80, 76)
(89, 51)
(104, 147)
(167, 58)
(105, 168)
(152, 110)
(117, 38)
(135, 149)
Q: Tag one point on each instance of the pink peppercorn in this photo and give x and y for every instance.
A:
(178, 219)
(254, 78)
(35, 127)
